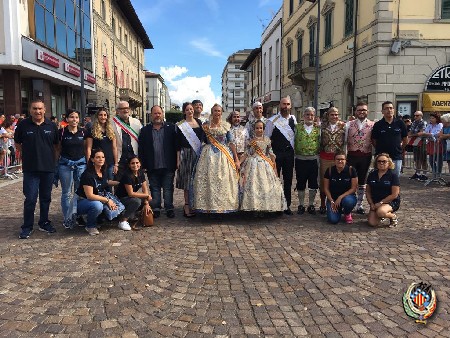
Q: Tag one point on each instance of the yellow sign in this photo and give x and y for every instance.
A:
(436, 102)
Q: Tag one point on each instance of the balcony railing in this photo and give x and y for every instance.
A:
(127, 94)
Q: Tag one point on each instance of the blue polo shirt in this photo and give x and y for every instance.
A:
(389, 137)
(38, 145)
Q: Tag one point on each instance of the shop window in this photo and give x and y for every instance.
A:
(406, 104)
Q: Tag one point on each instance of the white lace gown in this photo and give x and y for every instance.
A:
(261, 189)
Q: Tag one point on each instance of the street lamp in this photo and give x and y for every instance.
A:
(83, 95)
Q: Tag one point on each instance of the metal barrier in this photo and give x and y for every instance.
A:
(426, 156)
(10, 164)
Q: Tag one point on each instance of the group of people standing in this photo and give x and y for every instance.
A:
(221, 166)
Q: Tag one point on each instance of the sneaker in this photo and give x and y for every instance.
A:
(423, 178)
(415, 177)
(393, 222)
(92, 231)
(47, 227)
(360, 210)
(170, 213)
(323, 210)
(301, 210)
(348, 218)
(288, 211)
(124, 225)
(311, 210)
(66, 225)
(25, 233)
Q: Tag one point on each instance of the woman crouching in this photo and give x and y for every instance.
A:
(383, 191)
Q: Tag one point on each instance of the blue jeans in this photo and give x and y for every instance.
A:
(69, 175)
(92, 208)
(34, 184)
(398, 166)
(346, 207)
(161, 178)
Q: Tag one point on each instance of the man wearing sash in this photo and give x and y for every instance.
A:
(158, 156)
(280, 129)
(126, 129)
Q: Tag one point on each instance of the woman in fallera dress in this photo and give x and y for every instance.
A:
(215, 179)
(189, 140)
(261, 189)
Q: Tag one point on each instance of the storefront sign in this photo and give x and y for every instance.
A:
(436, 102)
(47, 58)
(439, 80)
(68, 68)
(89, 78)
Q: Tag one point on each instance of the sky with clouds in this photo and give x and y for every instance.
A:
(192, 40)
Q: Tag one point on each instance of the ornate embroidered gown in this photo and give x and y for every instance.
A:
(261, 189)
(215, 183)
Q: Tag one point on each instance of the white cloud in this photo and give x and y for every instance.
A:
(204, 45)
(188, 88)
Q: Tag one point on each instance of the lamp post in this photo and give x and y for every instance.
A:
(316, 78)
(82, 94)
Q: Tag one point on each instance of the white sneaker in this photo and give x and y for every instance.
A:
(92, 231)
(124, 225)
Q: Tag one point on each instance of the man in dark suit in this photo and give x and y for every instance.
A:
(158, 156)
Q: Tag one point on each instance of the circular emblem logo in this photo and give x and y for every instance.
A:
(419, 301)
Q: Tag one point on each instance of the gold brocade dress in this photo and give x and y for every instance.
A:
(215, 183)
(261, 189)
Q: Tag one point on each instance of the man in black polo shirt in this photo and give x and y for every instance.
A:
(280, 129)
(36, 138)
(389, 135)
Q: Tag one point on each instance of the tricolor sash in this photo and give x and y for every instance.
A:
(285, 129)
(261, 153)
(190, 135)
(126, 128)
(219, 146)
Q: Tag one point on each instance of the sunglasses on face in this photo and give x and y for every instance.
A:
(382, 161)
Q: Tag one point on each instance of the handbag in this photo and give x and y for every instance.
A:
(147, 220)
(111, 214)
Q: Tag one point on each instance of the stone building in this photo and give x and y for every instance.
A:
(119, 40)
(375, 50)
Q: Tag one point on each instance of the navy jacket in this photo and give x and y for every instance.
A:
(146, 151)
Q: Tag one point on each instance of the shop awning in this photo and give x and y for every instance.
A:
(436, 102)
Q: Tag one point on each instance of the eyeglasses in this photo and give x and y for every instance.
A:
(382, 161)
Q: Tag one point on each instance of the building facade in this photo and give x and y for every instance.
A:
(374, 50)
(252, 65)
(234, 83)
(120, 41)
(156, 92)
(271, 66)
(41, 45)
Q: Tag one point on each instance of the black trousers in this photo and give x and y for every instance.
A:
(361, 164)
(285, 164)
(307, 171)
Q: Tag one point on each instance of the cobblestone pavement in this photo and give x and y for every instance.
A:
(228, 277)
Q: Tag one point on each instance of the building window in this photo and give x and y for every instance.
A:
(238, 84)
(237, 75)
(103, 9)
(57, 28)
(113, 25)
(291, 7)
(120, 33)
(126, 40)
(312, 44)
(445, 9)
(299, 47)
(348, 17)
(328, 28)
(237, 66)
(289, 56)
